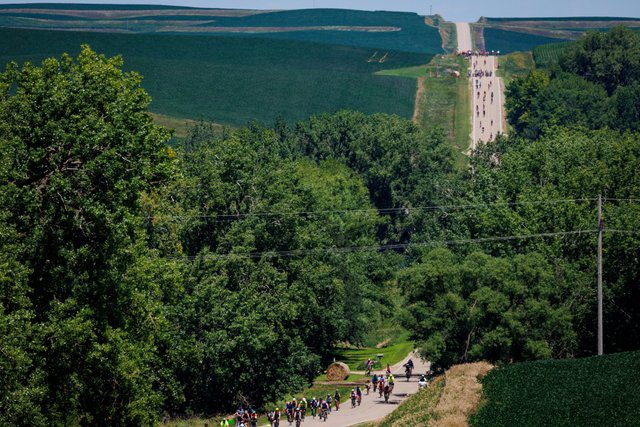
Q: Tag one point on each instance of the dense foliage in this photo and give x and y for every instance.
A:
(596, 85)
(140, 280)
(185, 280)
(476, 303)
(589, 391)
(232, 80)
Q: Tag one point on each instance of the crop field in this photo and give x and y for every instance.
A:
(514, 65)
(520, 34)
(547, 54)
(231, 80)
(594, 391)
(397, 31)
(513, 41)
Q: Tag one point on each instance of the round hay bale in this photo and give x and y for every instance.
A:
(338, 371)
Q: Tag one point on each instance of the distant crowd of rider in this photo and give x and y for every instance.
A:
(470, 53)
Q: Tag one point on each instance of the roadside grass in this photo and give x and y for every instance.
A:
(392, 354)
(417, 410)
(514, 65)
(445, 101)
(594, 391)
(180, 126)
(352, 378)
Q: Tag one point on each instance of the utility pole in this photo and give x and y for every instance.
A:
(600, 339)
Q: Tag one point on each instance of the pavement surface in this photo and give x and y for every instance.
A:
(463, 35)
(374, 407)
(487, 91)
(488, 100)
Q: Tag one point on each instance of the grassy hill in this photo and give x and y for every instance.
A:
(591, 391)
(398, 31)
(507, 41)
(523, 34)
(231, 80)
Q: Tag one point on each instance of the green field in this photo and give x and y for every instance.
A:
(231, 80)
(512, 41)
(514, 65)
(594, 391)
(399, 31)
(393, 353)
(547, 54)
(445, 100)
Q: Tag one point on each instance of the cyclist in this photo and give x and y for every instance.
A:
(353, 398)
(336, 400)
(324, 409)
(314, 406)
(329, 402)
(289, 410)
(297, 416)
(374, 380)
(276, 417)
(253, 418)
(303, 407)
(391, 382)
(358, 395)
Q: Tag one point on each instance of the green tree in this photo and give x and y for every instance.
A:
(485, 308)
(610, 58)
(82, 149)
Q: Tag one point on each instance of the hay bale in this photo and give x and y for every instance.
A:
(338, 371)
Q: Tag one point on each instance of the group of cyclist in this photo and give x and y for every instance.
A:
(295, 410)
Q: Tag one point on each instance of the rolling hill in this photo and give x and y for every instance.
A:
(231, 66)
(231, 80)
(524, 34)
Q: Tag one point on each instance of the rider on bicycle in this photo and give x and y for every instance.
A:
(329, 402)
(314, 406)
(303, 406)
(353, 398)
(336, 399)
(324, 408)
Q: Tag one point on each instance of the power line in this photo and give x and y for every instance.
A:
(381, 211)
(612, 199)
(377, 248)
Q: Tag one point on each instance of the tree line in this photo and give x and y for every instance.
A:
(143, 278)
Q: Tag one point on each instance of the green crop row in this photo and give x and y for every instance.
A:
(402, 31)
(549, 53)
(593, 391)
(231, 80)
(513, 41)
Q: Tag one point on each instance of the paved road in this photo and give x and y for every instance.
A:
(488, 100)
(372, 406)
(487, 91)
(463, 35)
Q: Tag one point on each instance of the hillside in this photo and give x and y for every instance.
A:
(232, 80)
(523, 34)
(591, 391)
(386, 30)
